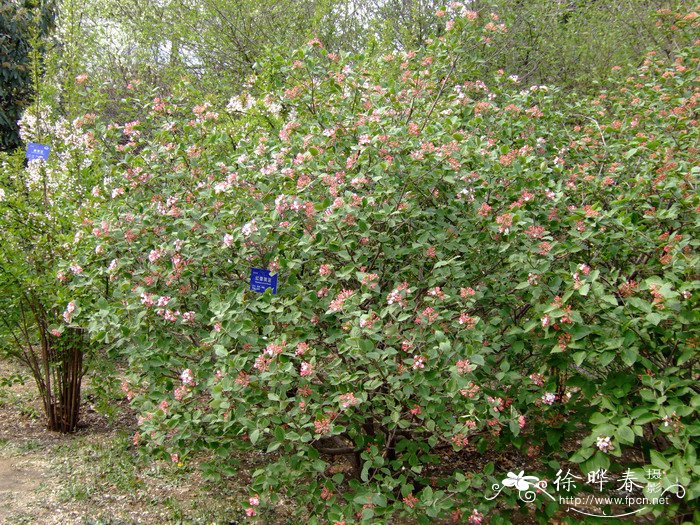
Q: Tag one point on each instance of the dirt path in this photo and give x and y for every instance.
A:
(18, 487)
(94, 476)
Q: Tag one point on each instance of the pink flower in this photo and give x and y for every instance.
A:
(544, 248)
(521, 422)
(436, 292)
(546, 320)
(484, 210)
(154, 255)
(217, 327)
(274, 266)
(242, 379)
(274, 349)
(397, 295)
(604, 443)
(348, 400)
(262, 363)
(418, 362)
(410, 501)
(466, 292)
(460, 440)
(337, 303)
(538, 379)
(174, 458)
(475, 518)
(306, 369)
(464, 366)
(180, 392)
(147, 299)
(324, 270)
(549, 398)
(323, 426)
(228, 240)
(55, 332)
(186, 377)
(250, 512)
(61, 276)
(68, 314)
(428, 315)
(249, 228)
(535, 232)
(504, 222)
(254, 500)
(467, 320)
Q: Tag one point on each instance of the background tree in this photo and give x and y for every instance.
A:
(18, 21)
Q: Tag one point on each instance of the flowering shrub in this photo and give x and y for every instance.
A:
(461, 264)
(40, 203)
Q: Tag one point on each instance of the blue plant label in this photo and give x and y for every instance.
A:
(37, 151)
(261, 280)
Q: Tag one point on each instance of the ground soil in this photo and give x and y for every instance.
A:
(93, 476)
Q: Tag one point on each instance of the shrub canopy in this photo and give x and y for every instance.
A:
(461, 264)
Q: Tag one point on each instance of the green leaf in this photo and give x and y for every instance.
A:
(625, 435)
(658, 460)
(654, 318)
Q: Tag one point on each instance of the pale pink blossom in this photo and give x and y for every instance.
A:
(418, 362)
(348, 400)
(249, 228)
(549, 398)
(306, 369)
(339, 301)
(604, 443)
(186, 377)
(475, 518)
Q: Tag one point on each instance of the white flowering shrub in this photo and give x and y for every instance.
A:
(41, 205)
